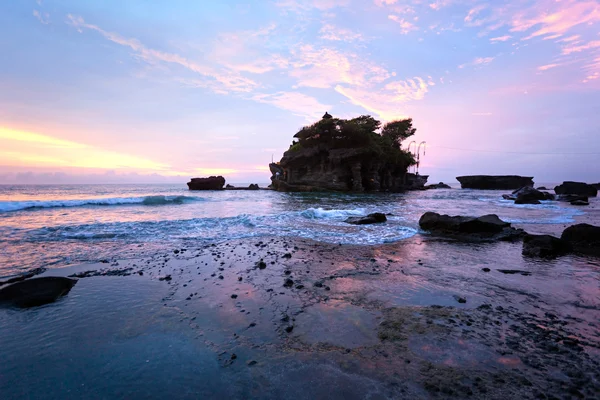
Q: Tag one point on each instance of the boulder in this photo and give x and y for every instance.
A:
(36, 291)
(529, 195)
(375, 218)
(253, 186)
(440, 185)
(580, 203)
(544, 246)
(210, 183)
(584, 238)
(484, 228)
(577, 188)
(543, 188)
(571, 197)
(505, 182)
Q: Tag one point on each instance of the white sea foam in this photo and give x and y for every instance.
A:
(319, 213)
(8, 206)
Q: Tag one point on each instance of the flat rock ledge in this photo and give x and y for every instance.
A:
(485, 228)
(35, 292)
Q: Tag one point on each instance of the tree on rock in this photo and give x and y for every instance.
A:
(397, 131)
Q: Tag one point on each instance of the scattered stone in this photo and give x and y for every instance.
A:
(461, 300)
(514, 271)
(251, 363)
(544, 246)
(584, 238)
(176, 251)
(165, 278)
(287, 255)
(36, 291)
(375, 218)
(262, 265)
(288, 283)
(289, 328)
(234, 296)
(239, 278)
(486, 269)
(485, 228)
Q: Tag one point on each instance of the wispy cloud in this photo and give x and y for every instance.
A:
(547, 67)
(405, 26)
(478, 62)
(500, 39)
(298, 103)
(43, 17)
(222, 81)
(331, 32)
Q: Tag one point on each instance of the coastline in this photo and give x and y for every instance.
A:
(357, 321)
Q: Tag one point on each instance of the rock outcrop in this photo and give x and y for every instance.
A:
(440, 185)
(210, 183)
(375, 218)
(36, 291)
(528, 195)
(576, 188)
(489, 182)
(320, 168)
(583, 238)
(252, 186)
(544, 246)
(484, 228)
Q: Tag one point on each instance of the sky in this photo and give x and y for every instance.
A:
(154, 91)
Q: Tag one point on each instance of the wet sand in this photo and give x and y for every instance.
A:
(277, 317)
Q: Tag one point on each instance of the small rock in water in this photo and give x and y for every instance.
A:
(165, 278)
(233, 356)
(485, 269)
(176, 251)
(288, 283)
(239, 278)
(262, 265)
(251, 363)
(290, 328)
(287, 255)
(234, 296)
(461, 300)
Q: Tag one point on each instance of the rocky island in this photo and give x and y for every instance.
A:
(494, 182)
(355, 155)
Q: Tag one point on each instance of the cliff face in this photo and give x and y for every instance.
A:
(320, 168)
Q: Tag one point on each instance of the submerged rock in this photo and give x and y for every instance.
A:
(584, 238)
(210, 183)
(529, 195)
(578, 188)
(487, 227)
(36, 291)
(545, 246)
(440, 185)
(580, 203)
(506, 182)
(571, 197)
(375, 218)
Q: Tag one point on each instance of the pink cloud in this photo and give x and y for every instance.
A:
(500, 39)
(405, 26)
(298, 103)
(577, 49)
(547, 67)
(478, 61)
(331, 32)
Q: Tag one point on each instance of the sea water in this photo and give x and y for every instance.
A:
(57, 225)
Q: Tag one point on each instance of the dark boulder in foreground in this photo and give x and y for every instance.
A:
(487, 227)
(583, 238)
(577, 188)
(36, 292)
(210, 183)
(488, 182)
(544, 246)
(375, 218)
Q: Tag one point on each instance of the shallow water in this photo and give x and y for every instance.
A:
(43, 226)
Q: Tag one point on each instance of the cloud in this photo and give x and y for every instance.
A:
(298, 103)
(500, 39)
(547, 67)
(331, 32)
(390, 102)
(220, 82)
(325, 67)
(577, 49)
(44, 18)
(439, 4)
(477, 62)
(405, 26)
(308, 5)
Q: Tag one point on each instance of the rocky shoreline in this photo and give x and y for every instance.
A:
(273, 304)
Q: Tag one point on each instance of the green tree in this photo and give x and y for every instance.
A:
(397, 131)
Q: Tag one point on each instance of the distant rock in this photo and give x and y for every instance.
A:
(543, 188)
(544, 246)
(489, 182)
(210, 183)
(36, 291)
(375, 218)
(584, 238)
(253, 186)
(484, 228)
(440, 185)
(577, 188)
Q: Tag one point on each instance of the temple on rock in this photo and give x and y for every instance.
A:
(357, 155)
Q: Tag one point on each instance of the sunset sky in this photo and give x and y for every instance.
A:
(157, 91)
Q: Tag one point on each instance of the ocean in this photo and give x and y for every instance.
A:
(57, 225)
